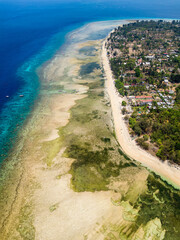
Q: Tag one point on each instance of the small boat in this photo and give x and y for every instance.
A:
(21, 95)
(7, 96)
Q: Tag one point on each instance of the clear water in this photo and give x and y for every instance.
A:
(30, 34)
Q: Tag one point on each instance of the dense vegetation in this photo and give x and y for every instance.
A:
(163, 127)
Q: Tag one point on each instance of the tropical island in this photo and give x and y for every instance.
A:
(145, 60)
(71, 175)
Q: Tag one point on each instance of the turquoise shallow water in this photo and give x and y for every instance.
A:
(17, 109)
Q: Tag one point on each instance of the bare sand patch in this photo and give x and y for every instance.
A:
(76, 213)
(59, 113)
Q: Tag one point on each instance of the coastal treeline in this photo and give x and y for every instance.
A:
(163, 129)
(145, 61)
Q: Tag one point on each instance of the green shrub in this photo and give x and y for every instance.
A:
(124, 103)
(145, 137)
(137, 129)
(132, 122)
(142, 143)
(124, 111)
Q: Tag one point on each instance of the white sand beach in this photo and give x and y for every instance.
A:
(170, 173)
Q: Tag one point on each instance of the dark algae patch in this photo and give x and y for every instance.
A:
(88, 68)
(88, 51)
(155, 214)
(160, 201)
(92, 169)
(87, 173)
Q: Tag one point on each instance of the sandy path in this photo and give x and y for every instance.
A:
(168, 172)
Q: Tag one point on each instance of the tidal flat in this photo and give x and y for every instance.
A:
(68, 177)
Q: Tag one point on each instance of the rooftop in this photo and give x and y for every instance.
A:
(143, 96)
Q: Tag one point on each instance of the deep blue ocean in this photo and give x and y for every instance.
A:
(31, 31)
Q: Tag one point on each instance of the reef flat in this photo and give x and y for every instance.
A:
(68, 177)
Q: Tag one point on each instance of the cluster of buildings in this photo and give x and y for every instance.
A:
(146, 62)
(140, 100)
(160, 101)
(167, 101)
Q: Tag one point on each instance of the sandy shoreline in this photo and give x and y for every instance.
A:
(44, 205)
(167, 172)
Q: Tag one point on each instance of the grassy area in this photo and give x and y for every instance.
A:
(51, 149)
